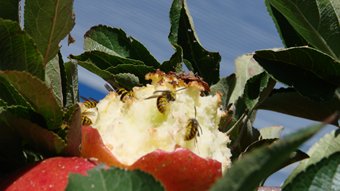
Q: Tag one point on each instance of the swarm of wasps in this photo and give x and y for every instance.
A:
(164, 98)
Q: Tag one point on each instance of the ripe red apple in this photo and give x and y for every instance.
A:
(50, 174)
(177, 170)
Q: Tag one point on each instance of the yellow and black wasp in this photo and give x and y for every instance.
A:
(164, 99)
(89, 103)
(192, 129)
(123, 93)
(85, 120)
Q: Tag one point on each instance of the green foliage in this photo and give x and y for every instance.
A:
(48, 22)
(206, 64)
(316, 21)
(53, 78)
(40, 117)
(321, 176)
(289, 101)
(41, 99)
(17, 50)
(113, 179)
(115, 42)
(326, 146)
(262, 162)
(298, 65)
(38, 101)
(9, 9)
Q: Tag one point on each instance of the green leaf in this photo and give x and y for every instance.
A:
(115, 42)
(225, 86)
(257, 89)
(261, 162)
(23, 123)
(114, 64)
(9, 9)
(71, 72)
(317, 21)
(288, 34)
(113, 179)
(104, 60)
(290, 102)
(311, 72)
(138, 70)
(245, 68)
(323, 175)
(182, 33)
(324, 148)
(17, 50)
(53, 78)
(175, 63)
(10, 96)
(124, 80)
(95, 69)
(72, 127)
(48, 22)
(37, 94)
(273, 132)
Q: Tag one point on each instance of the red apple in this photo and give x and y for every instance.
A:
(177, 170)
(50, 174)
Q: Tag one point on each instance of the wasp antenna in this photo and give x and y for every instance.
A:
(108, 88)
(195, 111)
(153, 96)
(181, 89)
(83, 98)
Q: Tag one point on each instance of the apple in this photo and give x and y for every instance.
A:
(49, 174)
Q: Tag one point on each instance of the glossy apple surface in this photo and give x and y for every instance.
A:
(177, 170)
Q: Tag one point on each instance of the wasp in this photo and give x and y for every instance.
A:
(89, 102)
(123, 93)
(192, 129)
(164, 99)
(85, 120)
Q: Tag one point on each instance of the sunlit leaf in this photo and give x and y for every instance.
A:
(323, 175)
(289, 36)
(53, 78)
(113, 179)
(245, 68)
(326, 146)
(9, 9)
(261, 162)
(104, 60)
(317, 21)
(225, 86)
(273, 132)
(138, 70)
(115, 42)
(17, 50)
(182, 33)
(48, 22)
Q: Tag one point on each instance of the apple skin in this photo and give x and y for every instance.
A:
(50, 174)
(179, 170)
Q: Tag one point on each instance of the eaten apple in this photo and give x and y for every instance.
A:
(167, 128)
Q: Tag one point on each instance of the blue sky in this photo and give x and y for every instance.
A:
(229, 27)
